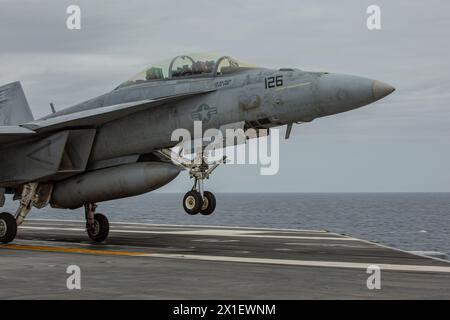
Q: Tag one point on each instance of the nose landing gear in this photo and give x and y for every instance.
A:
(196, 200)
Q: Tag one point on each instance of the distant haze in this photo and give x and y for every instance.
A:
(401, 143)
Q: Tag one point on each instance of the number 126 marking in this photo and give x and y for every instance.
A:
(272, 82)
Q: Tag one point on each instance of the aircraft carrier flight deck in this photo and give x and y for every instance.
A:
(142, 261)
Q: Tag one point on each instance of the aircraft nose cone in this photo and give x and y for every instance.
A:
(340, 93)
(381, 89)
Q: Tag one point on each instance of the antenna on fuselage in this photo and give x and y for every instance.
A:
(52, 107)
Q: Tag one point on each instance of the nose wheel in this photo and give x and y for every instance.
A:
(209, 203)
(194, 203)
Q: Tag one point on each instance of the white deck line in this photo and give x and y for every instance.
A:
(268, 261)
(189, 225)
(210, 232)
(307, 263)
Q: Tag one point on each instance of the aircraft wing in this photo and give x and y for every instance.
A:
(62, 144)
(96, 117)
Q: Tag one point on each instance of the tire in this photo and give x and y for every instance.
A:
(101, 228)
(192, 202)
(209, 203)
(8, 227)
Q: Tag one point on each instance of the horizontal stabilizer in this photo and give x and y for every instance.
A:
(56, 156)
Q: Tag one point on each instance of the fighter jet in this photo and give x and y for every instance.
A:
(119, 144)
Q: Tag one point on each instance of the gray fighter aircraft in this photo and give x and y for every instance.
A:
(119, 144)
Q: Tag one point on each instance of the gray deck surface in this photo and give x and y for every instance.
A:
(191, 262)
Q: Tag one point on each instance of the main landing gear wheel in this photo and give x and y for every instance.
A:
(8, 227)
(100, 230)
(192, 202)
(209, 203)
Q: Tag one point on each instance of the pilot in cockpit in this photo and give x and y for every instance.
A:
(154, 74)
(199, 67)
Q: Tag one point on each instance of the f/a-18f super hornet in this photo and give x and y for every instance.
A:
(119, 144)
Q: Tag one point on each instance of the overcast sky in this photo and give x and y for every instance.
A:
(401, 143)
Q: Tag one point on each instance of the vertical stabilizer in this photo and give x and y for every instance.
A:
(14, 107)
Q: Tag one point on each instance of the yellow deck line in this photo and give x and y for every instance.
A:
(72, 250)
(287, 262)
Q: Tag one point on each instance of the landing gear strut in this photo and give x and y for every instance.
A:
(97, 225)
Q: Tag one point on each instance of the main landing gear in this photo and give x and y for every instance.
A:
(31, 195)
(97, 225)
(38, 195)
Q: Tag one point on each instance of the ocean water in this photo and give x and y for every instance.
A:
(409, 221)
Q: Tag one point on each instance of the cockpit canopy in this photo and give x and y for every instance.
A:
(189, 66)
